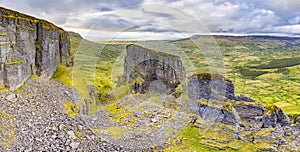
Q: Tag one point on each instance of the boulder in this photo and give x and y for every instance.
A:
(11, 98)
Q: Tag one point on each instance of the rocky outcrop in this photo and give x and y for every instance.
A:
(29, 46)
(211, 87)
(249, 122)
(214, 99)
(148, 70)
(276, 118)
(251, 115)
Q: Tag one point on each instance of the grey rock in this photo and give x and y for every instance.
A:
(276, 118)
(249, 111)
(211, 87)
(154, 119)
(71, 134)
(42, 124)
(216, 115)
(152, 71)
(178, 141)
(11, 98)
(29, 46)
(243, 97)
(74, 145)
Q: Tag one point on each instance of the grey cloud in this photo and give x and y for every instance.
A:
(237, 16)
(153, 28)
(105, 9)
(295, 20)
(158, 14)
(59, 11)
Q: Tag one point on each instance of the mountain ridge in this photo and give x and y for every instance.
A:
(288, 38)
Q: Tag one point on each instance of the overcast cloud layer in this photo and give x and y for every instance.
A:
(165, 19)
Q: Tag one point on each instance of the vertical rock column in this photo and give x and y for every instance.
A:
(47, 51)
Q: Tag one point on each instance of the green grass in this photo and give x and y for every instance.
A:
(271, 76)
(191, 138)
(280, 63)
(73, 78)
(250, 73)
(96, 62)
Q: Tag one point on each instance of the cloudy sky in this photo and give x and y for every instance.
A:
(156, 19)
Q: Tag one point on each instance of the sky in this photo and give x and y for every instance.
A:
(167, 19)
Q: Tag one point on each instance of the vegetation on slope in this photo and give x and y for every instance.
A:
(96, 62)
(73, 78)
(264, 69)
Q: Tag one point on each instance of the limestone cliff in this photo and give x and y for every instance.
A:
(29, 46)
(149, 70)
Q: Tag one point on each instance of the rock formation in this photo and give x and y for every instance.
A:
(210, 95)
(213, 97)
(148, 70)
(29, 46)
(211, 87)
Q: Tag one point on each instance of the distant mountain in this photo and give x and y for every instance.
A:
(266, 37)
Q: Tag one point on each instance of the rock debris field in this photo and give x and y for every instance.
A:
(35, 119)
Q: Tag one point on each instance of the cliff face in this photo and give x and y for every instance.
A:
(148, 70)
(29, 46)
